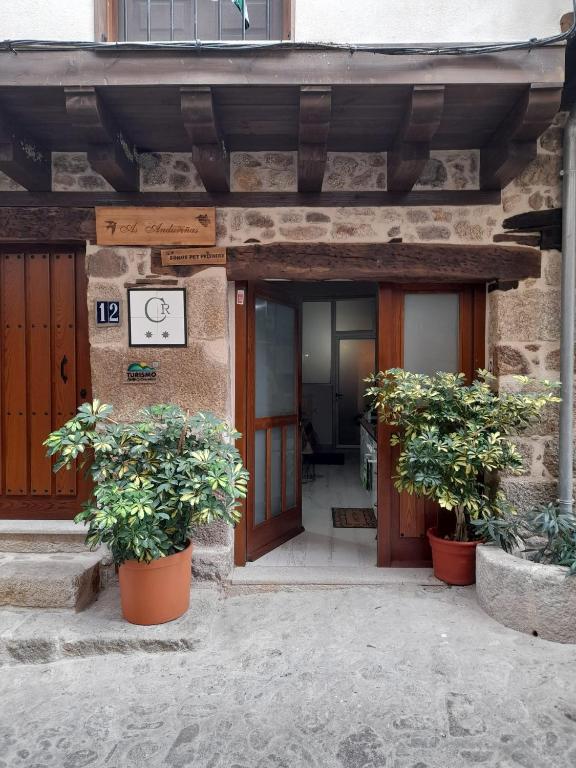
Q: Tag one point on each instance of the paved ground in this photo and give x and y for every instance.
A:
(403, 677)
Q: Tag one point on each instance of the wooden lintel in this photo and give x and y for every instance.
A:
(314, 127)
(411, 151)
(514, 144)
(252, 199)
(209, 152)
(23, 158)
(110, 152)
(400, 262)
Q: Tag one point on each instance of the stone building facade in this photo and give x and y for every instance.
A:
(522, 324)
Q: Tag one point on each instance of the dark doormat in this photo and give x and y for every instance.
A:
(325, 457)
(353, 517)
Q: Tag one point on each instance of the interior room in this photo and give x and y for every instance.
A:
(338, 322)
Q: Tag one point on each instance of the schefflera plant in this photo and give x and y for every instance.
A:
(155, 478)
(453, 437)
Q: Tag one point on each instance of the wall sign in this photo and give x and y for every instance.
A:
(193, 256)
(155, 226)
(107, 313)
(157, 317)
(141, 373)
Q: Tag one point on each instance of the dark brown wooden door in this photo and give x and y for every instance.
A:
(44, 376)
(456, 314)
(274, 506)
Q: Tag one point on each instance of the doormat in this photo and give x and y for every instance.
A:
(326, 457)
(353, 517)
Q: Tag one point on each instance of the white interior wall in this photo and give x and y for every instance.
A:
(47, 20)
(426, 21)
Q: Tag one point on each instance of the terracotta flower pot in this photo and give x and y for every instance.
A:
(156, 592)
(454, 561)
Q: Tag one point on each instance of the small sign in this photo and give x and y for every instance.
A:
(155, 226)
(107, 313)
(240, 297)
(141, 373)
(157, 317)
(193, 256)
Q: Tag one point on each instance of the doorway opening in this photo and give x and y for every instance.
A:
(321, 489)
(337, 350)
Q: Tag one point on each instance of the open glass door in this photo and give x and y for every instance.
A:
(423, 329)
(274, 509)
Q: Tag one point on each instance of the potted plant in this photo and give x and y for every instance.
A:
(154, 480)
(453, 438)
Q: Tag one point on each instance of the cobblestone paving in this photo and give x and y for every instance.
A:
(351, 678)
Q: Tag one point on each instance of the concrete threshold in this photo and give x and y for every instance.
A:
(309, 575)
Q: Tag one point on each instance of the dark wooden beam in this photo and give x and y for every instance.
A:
(47, 225)
(396, 262)
(283, 65)
(110, 152)
(209, 152)
(514, 144)
(314, 127)
(411, 151)
(23, 158)
(254, 199)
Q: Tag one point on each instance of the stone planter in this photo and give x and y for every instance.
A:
(537, 599)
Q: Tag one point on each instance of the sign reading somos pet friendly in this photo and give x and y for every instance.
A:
(155, 226)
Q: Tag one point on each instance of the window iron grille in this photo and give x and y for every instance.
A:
(160, 20)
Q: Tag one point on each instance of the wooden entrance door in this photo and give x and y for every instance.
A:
(423, 329)
(274, 506)
(44, 376)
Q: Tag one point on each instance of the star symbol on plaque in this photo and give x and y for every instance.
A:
(165, 335)
(148, 334)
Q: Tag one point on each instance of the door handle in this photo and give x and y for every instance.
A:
(63, 364)
(338, 395)
(83, 393)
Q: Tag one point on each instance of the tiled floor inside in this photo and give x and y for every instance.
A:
(321, 544)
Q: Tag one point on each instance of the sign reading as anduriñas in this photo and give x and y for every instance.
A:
(155, 226)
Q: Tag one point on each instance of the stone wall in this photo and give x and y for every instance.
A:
(522, 325)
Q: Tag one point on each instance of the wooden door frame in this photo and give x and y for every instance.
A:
(390, 355)
(389, 350)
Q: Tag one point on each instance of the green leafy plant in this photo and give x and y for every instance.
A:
(557, 533)
(155, 479)
(453, 437)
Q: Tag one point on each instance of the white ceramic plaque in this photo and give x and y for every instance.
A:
(157, 317)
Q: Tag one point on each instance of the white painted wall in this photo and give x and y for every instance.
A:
(343, 21)
(426, 21)
(46, 20)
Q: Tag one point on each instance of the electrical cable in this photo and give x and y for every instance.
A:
(17, 46)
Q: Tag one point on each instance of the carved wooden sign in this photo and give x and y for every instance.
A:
(155, 226)
(193, 256)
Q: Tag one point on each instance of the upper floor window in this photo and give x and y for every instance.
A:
(160, 20)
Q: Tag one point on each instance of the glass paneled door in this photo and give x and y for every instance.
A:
(274, 506)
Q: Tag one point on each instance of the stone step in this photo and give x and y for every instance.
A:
(41, 536)
(55, 580)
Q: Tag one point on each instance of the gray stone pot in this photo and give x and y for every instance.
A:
(529, 597)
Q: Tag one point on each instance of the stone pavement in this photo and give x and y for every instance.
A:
(364, 677)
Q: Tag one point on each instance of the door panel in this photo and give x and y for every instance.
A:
(273, 507)
(422, 328)
(356, 359)
(44, 364)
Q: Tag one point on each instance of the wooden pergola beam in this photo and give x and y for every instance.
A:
(411, 150)
(515, 143)
(209, 151)
(395, 262)
(313, 130)
(23, 158)
(110, 153)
